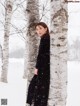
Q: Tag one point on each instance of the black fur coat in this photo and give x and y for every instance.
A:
(38, 89)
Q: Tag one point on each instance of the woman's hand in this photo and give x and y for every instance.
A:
(36, 71)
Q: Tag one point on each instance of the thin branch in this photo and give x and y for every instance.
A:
(19, 5)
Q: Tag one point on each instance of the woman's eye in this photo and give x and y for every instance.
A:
(40, 28)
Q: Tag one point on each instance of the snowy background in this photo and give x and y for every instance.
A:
(73, 67)
(15, 90)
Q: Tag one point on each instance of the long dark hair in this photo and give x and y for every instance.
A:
(43, 25)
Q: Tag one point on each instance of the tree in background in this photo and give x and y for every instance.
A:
(18, 15)
(5, 59)
(74, 50)
(58, 86)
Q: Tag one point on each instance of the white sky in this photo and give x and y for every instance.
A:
(73, 21)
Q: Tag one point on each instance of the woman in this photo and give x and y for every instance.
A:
(38, 90)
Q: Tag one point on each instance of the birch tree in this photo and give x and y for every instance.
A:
(58, 82)
(8, 13)
(32, 16)
(31, 42)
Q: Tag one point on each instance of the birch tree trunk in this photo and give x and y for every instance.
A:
(8, 13)
(58, 85)
(31, 43)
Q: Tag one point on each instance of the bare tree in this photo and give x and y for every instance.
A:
(8, 13)
(58, 86)
(76, 47)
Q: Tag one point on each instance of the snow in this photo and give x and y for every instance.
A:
(15, 90)
(73, 88)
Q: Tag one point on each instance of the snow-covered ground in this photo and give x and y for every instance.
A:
(73, 88)
(15, 90)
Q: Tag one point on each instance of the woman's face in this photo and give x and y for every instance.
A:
(41, 30)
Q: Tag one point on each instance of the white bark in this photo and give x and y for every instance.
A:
(31, 43)
(58, 68)
(8, 13)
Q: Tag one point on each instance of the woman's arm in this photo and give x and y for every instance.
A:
(44, 52)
